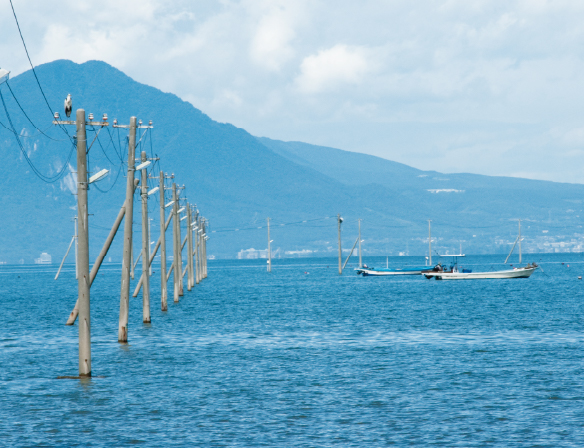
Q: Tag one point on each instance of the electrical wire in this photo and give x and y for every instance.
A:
(30, 121)
(26, 136)
(263, 227)
(46, 179)
(118, 152)
(32, 66)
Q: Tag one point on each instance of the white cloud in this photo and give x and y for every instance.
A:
(332, 68)
(270, 45)
(484, 86)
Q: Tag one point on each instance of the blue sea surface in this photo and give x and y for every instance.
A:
(299, 357)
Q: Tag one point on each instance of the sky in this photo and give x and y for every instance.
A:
(487, 87)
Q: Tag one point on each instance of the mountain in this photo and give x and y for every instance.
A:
(238, 180)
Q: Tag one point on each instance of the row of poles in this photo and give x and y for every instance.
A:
(195, 239)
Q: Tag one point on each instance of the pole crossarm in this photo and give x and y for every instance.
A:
(127, 126)
(87, 123)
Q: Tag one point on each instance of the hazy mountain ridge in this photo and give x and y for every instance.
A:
(238, 180)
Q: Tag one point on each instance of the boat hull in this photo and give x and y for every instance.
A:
(512, 273)
(384, 272)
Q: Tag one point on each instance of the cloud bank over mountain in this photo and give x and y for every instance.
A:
(456, 86)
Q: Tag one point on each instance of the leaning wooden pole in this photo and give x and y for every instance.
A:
(99, 260)
(64, 258)
(152, 255)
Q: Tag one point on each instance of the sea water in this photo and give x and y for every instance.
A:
(299, 357)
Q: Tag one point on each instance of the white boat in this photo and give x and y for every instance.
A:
(524, 272)
(417, 270)
(454, 273)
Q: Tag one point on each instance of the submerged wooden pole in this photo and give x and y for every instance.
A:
(145, 244)
(162, 240)
(189, 248)
(83, 282)
(127, 258)
(176, 244)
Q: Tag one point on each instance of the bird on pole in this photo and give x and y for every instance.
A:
(68, 105)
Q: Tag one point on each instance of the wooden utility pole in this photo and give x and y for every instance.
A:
(82, 256)
(163, 286)
(176, 243)
(192, 220)
(83, 235)
(180, 248)
(189, 248)
(269, 249)
(339, 221)
(145, 243)
(128, 230)
(205, 238)
(197, 249)
(128, 222)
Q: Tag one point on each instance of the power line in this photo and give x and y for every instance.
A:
(30, 121)
(22, 135)
(262, 227)
(32, 66)
(40, 175)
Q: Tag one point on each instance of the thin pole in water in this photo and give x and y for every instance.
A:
(339, 221)
(430, 240)
(269, 249)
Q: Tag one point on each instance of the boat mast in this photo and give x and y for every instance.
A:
(519, 241)
(360, 260)
(430, 240)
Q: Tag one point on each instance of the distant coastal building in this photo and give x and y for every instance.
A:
(45, 258)
(252, 254)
